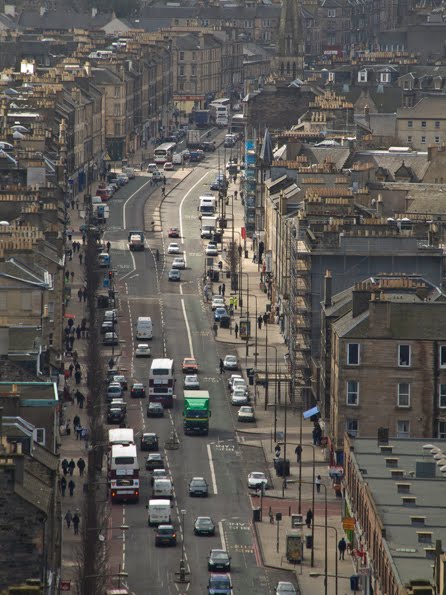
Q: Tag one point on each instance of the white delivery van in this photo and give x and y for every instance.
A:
(144, 328)
(159, 512)
(177, 159)
(162, 488)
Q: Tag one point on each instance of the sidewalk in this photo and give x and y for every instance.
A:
(279, 498)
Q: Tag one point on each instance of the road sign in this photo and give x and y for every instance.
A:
(65, 585)
(364, 571)
(348, 524)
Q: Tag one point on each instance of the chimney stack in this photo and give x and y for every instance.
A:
(328, 289)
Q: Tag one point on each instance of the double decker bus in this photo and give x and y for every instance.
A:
(162, 382)
(123, 473)
(164, 152)
(123, 436)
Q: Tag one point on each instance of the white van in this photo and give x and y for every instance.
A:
(162, 488)
(177, 159)
(159, 512)
(144, 328)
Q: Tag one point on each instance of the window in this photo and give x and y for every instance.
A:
(116, 109)
(194, 70)
(353, 354)
(385, 77)
(402, 428)
(403, 394)
(442, 356)
(117, 92)
(441, 430)
(181, 55)
(404, 355)
(409, 124)
(437, 140)
(409, 139)
(442, 396)
(437, 124)
(117, 128)
(194, 56)
(181, 72)
(406, 85)
(351, 427)
(331, 13)
(362, 76)
(352, 392)
(423, 140)
(39, 435)
(423, 124)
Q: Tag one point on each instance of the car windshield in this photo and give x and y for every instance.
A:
(154, 457)
(203, 521)
(198, 482)
(220, 555)
(257, 475)
(245, 410)
(165, 530)
(219, 582)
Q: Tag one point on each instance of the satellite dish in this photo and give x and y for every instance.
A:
(18, 135)
(4, 222)
(443, 469)
(438, 456)
(429, 446)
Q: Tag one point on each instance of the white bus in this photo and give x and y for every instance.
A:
(162, 382)
(123, 436)
(123, 473)
(164, 152)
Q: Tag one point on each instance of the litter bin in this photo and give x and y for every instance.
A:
(354, 582)
(282, 467)
(256, 515)
(215, 276)
(309, 541)
(228, 274)
(102, 301)
(246, 253)
(250, 374)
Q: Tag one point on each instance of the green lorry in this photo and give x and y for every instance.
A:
(196, 412)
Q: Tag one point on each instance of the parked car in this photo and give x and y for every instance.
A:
(110, 339)
(121, 379)
(217, 302)
(198, 486)
(157, 176)
(155, 410)
(219, 560)
(204, 525)
(115, 416)
(168, 166)
(137, 390)
(219, 312)
(149, 441)
(165, 535)
(114, 390)
(239, 397)
(246, 413)
(152, 167)
(211, 249)
(285, 588)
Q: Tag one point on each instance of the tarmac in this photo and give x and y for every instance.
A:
(271, 537)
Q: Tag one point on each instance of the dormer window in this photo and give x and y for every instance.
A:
(362, 76)
(385, 77)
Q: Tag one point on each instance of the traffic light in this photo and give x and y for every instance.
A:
(110, 275)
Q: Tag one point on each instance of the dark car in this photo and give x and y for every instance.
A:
(204, 525)
(198, 487)
(154, 461)
(115, 416)
(225, 321)
(155, 410)
(219, 560)
(219, 312)
(138, 391)
(219, 584)
(149, 441)
(165, 535)
(208, 146)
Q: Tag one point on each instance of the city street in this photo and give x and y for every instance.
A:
(182, 327)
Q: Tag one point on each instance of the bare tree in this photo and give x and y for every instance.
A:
(233, 260)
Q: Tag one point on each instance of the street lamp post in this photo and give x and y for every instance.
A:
(312, 574)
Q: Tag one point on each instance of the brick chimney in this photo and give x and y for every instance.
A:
(328, 289)
(360, 299)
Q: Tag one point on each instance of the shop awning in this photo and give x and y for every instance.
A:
(310, 412)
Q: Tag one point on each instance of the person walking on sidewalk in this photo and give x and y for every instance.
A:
(79, 294)
(71, 486)
(223, 290)
(78, 376)
(76, 521)
(308, 518)
(318, 482)
(222, 366)
(265, 318)
(85, 295)
(65, 466)
(71, 466)
(259, 322)
(215, 329)
(81, 258)
(71, 369)
(81, 466)
(68, 518)
(76, 422)
(342, 546)
(63, 485)
(298, 451)
(78, 328)
(108, 245)
(236, 330)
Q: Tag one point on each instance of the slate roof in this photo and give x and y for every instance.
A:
(103, 76)
(336, 155)
(427, 107)
(379, 124)
(6, 23)
(417, 161)
(61, 18)
(420, 201)
(35, 492)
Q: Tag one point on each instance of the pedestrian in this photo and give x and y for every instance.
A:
(70, 254)
(65, 466)
(231, 303)
(76, 422)
(78, 328)
(76, 521)
(298, 451)
(259, 322)
(236, 330)
(71, 466)
(309, 517)
(79, 432)
(71, 486)
(108, 245)
(265, 318)
(219, 290)
(81, 466)
(72, 203)
(68, 518)
(85, 294)
(77, 204)
(164, 180)
(223, 290)
(215, 329)
(79, 294)
(254, 257)
(318, 482)
(71, 343)
(77, 366)
(78, 376)
(83, 327)
(81, 257)
(163, 192)
(81, 400)
(222, 366)
(63, 485)
(342, 546)
(71, 369)
(72, 276)
(84, 239)
(277, 451)
(67, 276)
(235, 302)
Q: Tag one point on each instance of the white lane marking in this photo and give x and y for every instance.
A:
(211, 466)
(189, 334)
(123, 538)
(180, 210)
(222, 535)
(132, 256)
(124, 223)
(181, 288)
